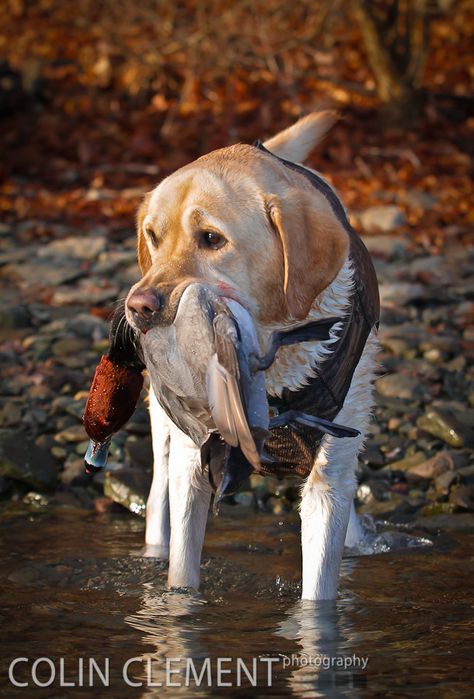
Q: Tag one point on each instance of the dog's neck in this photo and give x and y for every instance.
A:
(294, 364)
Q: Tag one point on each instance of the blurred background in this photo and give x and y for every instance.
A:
(100, 99)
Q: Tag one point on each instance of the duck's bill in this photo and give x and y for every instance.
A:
(96, 456)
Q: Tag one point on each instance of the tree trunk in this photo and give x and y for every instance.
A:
(398, 71)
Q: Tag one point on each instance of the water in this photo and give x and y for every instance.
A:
(74, 587)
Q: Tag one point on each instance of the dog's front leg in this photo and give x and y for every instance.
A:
(157, 534)
(189, 496)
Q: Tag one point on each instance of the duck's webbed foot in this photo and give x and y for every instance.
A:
(315, 330)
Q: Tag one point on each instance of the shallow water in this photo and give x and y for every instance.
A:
(74, 587)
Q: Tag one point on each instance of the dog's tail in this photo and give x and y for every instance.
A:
(296, 142)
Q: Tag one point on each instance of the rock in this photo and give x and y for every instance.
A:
(462, 497)
(444, 481)
(445, 425)
(382, 218)
(385, 507)
(364, 493)
(22, 460)
(433, 467)
(42, 274)
(75, 433)
(408, 462)
(87, 293)
(139, 451)
(18, 316)
(79, 247)
(74, 473)
(69, 345)
(437, 508)
(402, 293)
(71, 406)
(466, 474)
(373, 456)
(397, 386)
(247, 499)
(5, 485)
(420, 199)
(263, 486)
(448, 522)
(35, 499)
(104, 505)
(129, 487)
(10, 414)
(278, 505)
(387, 246)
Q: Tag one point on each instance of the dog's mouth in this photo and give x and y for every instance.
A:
(170, 302)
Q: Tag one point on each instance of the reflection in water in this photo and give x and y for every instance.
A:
(178, 626)
(169, 623)
(71, 589)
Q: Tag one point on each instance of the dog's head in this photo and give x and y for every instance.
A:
(239, 220)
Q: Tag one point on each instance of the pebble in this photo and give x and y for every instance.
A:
(139, 451)
(406, 463)
(129, 488)
(49, 351)
(73, 433)
(398, 386)
(432, 468)
(78, 247)
(445, 426)
(22, 460)
(382, 218)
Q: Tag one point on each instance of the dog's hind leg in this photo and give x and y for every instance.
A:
(328, 493)
(325, 509)
(157, 533)
(355, 533)
(190, 493)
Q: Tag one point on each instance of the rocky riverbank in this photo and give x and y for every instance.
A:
(56, 298)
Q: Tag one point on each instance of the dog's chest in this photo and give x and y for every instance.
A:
(294, 365)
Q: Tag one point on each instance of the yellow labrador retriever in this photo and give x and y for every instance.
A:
(274, 236)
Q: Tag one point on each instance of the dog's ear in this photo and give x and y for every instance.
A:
(296, 142)
(314, 245)
(144, 258)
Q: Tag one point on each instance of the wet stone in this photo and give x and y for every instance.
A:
(18, 316)
(42, 274)
(10, 414)
(445, 425)
(129, 488)
(386, 246)
(398, 386)
(75, 433)
(80, 247)
(139, 451)
(245, 498)
(5, 485)
(433, 467)
(22, 460)
(444, 481)
(462, 497)
(408, 462)
(382, 218)
(69, 345)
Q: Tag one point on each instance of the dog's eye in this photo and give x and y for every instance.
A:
(214, 241)
(152, 237)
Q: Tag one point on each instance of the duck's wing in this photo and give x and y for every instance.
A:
(225, 393)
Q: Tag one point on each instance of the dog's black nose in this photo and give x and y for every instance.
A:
(145, 306)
